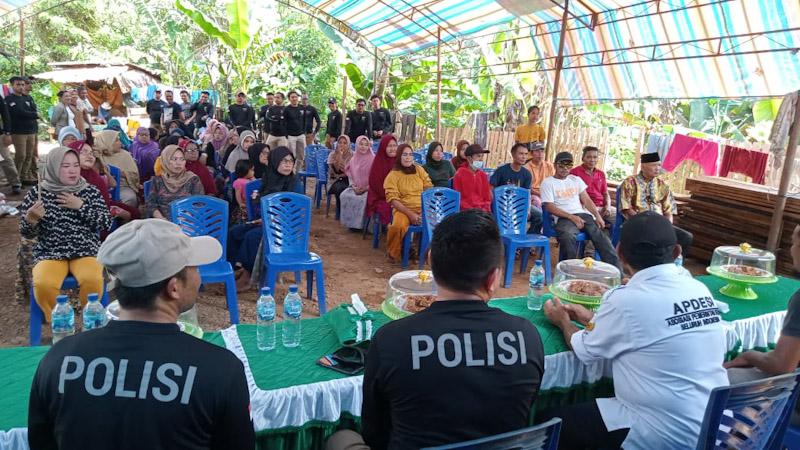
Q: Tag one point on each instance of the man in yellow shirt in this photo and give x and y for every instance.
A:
(532, 131)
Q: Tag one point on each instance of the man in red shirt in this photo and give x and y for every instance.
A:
(595, 180)
(472, 182)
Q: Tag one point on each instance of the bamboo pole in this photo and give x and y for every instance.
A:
(557, 78)
(773, 238)
(344, 98)
(438, 82)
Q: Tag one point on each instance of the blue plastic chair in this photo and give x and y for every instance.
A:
(419, 158)
(146, 188)
(252, 205)
(201, 215)
(376, 229)
(448, 156)
(287, 220)
(616, 231)
(791, 439)
(751, 415)
(548, 229)
(37, 315)
(311, 164)
(437, 203)
(540, 437)
(115, 172)
(375, 146)
(321, 156)
(510, 206)
(489, 172)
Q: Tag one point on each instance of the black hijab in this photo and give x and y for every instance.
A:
(254, 152)
(274, 181)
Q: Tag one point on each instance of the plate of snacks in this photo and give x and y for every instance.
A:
(584, 281)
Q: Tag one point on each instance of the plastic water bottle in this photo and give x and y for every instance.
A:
(265, 320)
(682, 270)
(94, 314)
(679, 261)
(536, 287)
(63, 319)
(292, 309)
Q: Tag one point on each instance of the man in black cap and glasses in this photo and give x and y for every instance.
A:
(647, 192)
(564, 196)
(664, 339)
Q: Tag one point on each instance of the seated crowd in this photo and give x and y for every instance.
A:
(416, 392)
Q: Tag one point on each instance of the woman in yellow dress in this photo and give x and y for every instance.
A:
(403, 187)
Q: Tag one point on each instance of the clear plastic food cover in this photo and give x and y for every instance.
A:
(411, 290)
(584, 281)
(743, 262)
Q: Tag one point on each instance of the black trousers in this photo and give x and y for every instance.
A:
(582, 428)
(566, 233)
(684, 239)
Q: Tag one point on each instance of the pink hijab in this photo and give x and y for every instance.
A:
(209, 134)
(357, 169)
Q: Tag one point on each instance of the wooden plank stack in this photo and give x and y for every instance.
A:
(721, 211)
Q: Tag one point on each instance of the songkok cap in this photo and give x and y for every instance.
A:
(650, 157)
(145, 252)
(647, 234)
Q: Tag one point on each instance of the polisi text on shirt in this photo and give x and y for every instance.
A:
(452, 350)
(101, 374)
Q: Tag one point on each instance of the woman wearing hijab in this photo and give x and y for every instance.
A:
(337, 163)
(460, 160)
(193, 164)
(65, 213)
(259, 156)
(353, 200)
(118, 210)
(438, 169)
(214, 143)
(68, 135)
(110, 153)
(381, 166)
(145, 152)
(404, 186)
(174, 183)
(246, 140)
(244, 239)
(114, 125)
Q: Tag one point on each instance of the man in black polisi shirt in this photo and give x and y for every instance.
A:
(139, 382)
(240, 114)
(381, 119)
(358, 121)
(295, 125)
(459, 370)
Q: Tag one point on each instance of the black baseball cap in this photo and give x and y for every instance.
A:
(474, 149)
(331, 101)
(564, 156)
(240, 94)
(647, 234)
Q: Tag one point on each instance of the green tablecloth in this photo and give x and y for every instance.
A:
(289, 370)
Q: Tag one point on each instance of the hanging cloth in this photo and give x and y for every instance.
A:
(701, 151)
(746, 162)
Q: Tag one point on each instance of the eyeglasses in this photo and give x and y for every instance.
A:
(143, 134)
(191, 150)
(287, 160)
(565, 164)
(408, 154)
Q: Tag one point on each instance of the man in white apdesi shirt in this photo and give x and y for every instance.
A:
(663, 333)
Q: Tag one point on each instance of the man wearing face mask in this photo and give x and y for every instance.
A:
(647, 192)
(184, 392)
(472, 182)
(410, 360)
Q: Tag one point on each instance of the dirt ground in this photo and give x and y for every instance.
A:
(351, 266)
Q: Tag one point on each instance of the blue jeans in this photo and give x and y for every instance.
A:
(243, 243)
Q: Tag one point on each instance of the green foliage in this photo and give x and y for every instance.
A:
(766, 110)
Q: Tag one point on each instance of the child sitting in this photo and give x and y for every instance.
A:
(245, 173)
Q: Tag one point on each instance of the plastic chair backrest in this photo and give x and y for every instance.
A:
(548, 227)
(438, 203)
(375, 146)
(115, 172)
(419, 157)
(146, 188)
(252, 206)
(510, 205)
(448, 156)
(311, 160)
(202, 215)
(287, 222)
(540, 437)
(322, 163)
(751, 415)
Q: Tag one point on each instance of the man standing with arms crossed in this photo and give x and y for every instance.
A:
(23, 127)
(333, 128)
(358, 122)
(154, 107)
(311, 120)
(294, 121)
(381, 119)
(275, 125)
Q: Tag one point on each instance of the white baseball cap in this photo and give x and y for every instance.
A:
(144, 252)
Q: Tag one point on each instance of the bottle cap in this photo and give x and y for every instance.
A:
(293, 288)
(538, 262)
(265, 290)
(93, 297)
(62, 299)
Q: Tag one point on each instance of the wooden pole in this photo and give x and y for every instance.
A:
(21, 44)
(344, 98)
(557, 78)
(773, 238)
(438, 82)
(375, 72)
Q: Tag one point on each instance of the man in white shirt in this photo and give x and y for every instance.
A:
(564, 196)
(663, 333)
